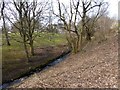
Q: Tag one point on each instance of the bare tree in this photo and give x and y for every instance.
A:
(76, 11)
(30, 19)
(4, 26)
(27, 15)
(22, 30)
(69, 17)
(91, 11)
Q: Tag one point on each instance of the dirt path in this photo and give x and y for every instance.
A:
(97, 67)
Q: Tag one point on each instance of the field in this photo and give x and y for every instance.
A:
(47, 47)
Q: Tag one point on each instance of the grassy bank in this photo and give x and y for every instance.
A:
(16, 50)
(47, 47)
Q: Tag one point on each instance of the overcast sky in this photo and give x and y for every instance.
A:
(113, 7)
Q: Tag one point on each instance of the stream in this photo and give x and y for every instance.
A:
(56, 61)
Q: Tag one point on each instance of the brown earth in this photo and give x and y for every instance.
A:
(95, 67)
(17, 68)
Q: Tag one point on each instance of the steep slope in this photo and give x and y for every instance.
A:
(96, 67)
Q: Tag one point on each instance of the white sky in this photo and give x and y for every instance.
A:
(113, 7)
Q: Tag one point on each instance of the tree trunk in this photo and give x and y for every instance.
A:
(78, 44)
(32, 48)
(26, 50)
(6, 33)
(88, 37)
(6, 36)
(81, 38)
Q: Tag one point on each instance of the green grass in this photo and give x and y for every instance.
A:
(16, 50)
(49, 39)
(14, 59)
